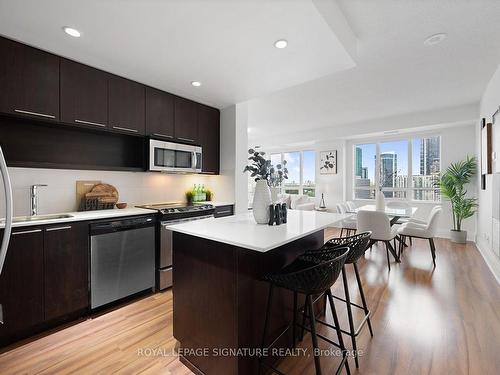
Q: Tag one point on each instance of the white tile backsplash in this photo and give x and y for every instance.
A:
(133, 187)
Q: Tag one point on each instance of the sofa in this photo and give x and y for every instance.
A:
(297, 201)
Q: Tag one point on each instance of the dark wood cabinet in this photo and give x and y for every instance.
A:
(126, 105)
(186, 120)
(21, 284)
(29, 81)
(66, 252)
(209, 136)
(84, 95)
(159, 114)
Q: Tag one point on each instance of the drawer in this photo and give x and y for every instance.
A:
(222, 211)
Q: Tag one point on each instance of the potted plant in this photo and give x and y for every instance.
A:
(189, 197)
(260, 169)
(452, 184)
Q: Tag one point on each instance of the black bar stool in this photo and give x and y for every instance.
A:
(357, 245)
(309, 277)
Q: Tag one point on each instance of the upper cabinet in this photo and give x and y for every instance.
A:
(159, 114)
(186, 120)
(84, 95)
(29, 81)
(209, 135)
(126, 105)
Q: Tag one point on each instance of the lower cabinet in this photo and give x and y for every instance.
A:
(21, 285)
(44, 280)
(66, 289)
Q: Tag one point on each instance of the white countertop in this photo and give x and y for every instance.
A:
(85, 215)
(241, 230)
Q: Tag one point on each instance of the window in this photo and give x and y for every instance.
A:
(309, 173)
(301, 167)
(405, 169)
(426, 156)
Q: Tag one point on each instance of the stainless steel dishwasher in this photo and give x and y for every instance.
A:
(122, 259)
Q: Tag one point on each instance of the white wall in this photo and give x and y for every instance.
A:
(456, 143)
(489, 104)
(133, 187)
(332, 185)
(232, 183)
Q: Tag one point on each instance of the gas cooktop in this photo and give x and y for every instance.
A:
(176, 208)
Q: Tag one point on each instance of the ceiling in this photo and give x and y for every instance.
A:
(395, 73)
(228, 45)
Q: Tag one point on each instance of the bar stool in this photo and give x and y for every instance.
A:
(357, 245)
(309, 277)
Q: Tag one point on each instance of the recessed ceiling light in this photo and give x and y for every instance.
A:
(435, 39)
(73, 32)
(196, 83)
(282, 43)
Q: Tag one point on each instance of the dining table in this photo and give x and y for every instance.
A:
(394, 214)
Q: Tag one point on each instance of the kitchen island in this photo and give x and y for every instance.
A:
(219, 300)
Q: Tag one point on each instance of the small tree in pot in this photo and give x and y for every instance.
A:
(452, 184)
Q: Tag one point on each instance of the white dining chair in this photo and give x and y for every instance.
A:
(426, 221)
(351, 206)
(379, 224)
(348, 224)
(424, 231)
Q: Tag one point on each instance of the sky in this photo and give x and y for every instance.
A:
(400, 148)
(293, 165)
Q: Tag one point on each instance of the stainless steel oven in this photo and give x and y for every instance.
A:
(166, 247)
(174, 157)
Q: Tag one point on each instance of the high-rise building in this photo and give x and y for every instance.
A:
(364, 172)
(359, 161)
(429, 156)
(388, 170)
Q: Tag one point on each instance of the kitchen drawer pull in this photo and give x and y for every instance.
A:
(33, 113)
(163, 135)
(125, 129)
(58, 228)
(224, 212)
(186, 139)
(90, 123)
(27, 231)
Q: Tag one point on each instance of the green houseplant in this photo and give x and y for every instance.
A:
(452, 184)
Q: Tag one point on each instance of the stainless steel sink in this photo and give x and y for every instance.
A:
(22, 219)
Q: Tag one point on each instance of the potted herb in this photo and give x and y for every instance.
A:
(452, 184)
(189, 197)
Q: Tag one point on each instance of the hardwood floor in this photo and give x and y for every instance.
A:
(426, 321)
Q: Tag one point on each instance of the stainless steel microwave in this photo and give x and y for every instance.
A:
(174, 157)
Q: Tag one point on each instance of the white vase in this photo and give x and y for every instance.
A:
(274, 194)
(379, 201)
(261, 202)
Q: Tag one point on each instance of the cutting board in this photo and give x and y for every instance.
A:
(82, 188)
(103, 191)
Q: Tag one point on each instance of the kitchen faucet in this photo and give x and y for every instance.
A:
(34, 198)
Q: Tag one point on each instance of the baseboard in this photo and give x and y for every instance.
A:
(490, 258)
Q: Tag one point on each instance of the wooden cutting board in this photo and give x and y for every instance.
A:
(103, 191)
(82, 188)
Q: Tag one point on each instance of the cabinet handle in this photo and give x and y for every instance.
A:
(33, 113)
(163, 135)
(58, 228)
(186, 139)
(224, 212)
(90, 123)
(27, 231)
(125, 129)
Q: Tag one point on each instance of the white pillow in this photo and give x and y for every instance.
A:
(297, 200)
